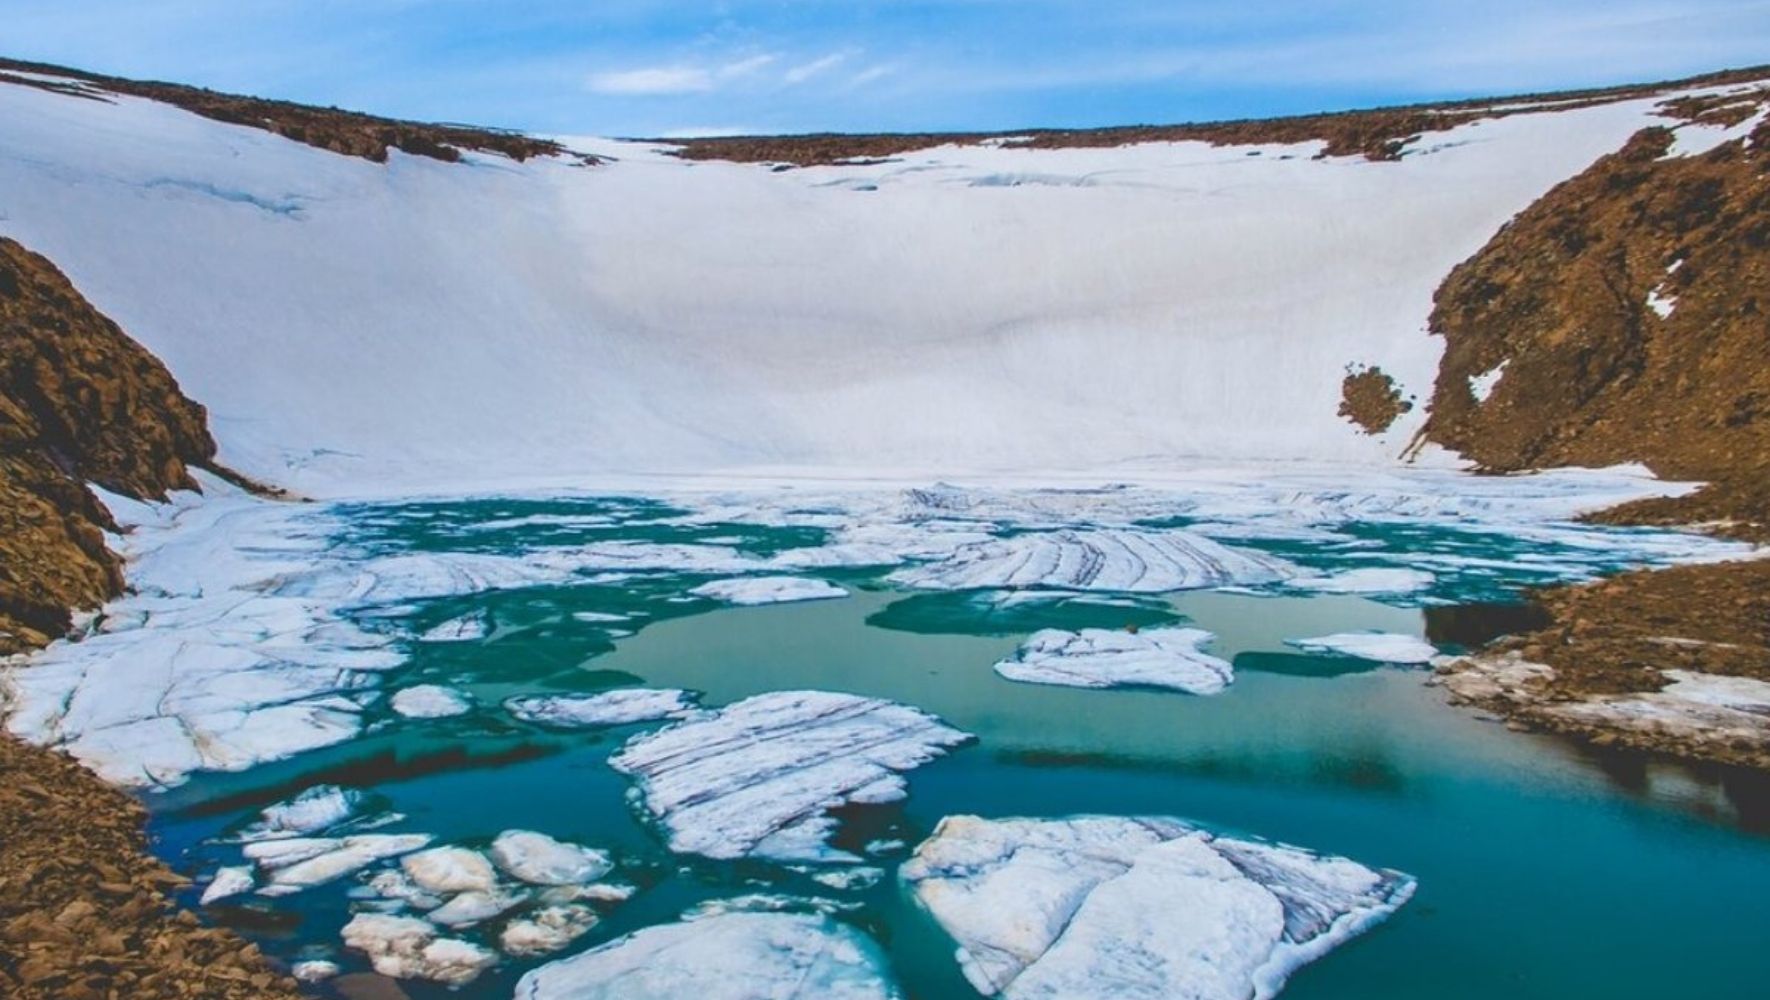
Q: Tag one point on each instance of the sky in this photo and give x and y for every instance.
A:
(655, 68)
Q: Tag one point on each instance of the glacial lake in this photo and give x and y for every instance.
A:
(1544, 869)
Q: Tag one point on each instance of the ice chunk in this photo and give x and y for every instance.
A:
(610, 708)
(294, 865)
(409, 948)
(759, 776)
(314, 970)
(463, 629)
(317, 809)
(731, 956)
(1137, 908)
(1383, 647)
(752, 590)
(546, 930)
(1103, 559)
(538, 859)
(450, 869)
(1102, 658)
(228, 882)
(476, 907)
(431, 701)
(1368, 580)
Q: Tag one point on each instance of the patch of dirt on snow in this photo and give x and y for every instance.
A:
(1370, 398)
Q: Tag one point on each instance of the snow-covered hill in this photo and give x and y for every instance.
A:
(358, 327)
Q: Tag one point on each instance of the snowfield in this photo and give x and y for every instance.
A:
(364, 328)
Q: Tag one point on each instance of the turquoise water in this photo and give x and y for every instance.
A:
(1545, 870)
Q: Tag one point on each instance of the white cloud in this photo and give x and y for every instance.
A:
(653, 80)
(870, 74)
(650, 81)
(805, 71)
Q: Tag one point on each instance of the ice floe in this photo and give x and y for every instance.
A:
(475, 906)
(538, 859)
(1137, 908)
(752, 590)
(1109, 560)
(546, 930)
(314, 970)
(316, 809)
(1367, 580)
(1383, 647)
(621, 707)
(463, 629)
(730, 956)
(228, 882)
(294, 865)
(431, 701)
(759, 777)
(450, 869)
(1103, 658)
(409, 948)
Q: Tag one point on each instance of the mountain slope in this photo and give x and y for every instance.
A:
(355, 326)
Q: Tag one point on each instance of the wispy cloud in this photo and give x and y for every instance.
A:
(805, 71)
(651, 81)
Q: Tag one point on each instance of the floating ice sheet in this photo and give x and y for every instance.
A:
(1383, 647)
(1107, 560)
(1112, 908)
(729, 956)
(759, 777)
(751, 590)
(610, 708)
(1103, 658)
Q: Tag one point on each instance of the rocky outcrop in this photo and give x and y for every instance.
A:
(1624, 317)
(79, 402)
(349, 133)
(1627, 316)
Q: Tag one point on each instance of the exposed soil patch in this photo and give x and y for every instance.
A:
(1370, 398)
(1378, 134)
(1630, 308)
(350, 133)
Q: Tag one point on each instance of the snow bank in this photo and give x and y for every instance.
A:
(355, 326)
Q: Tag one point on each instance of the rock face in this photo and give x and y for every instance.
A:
(1625, 314)
(79, 402)
(1119, 908)
(759, 777)
(729, 956)
(1102, 658)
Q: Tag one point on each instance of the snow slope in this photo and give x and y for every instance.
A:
(357, 327)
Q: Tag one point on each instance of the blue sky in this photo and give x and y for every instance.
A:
(648, 67)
